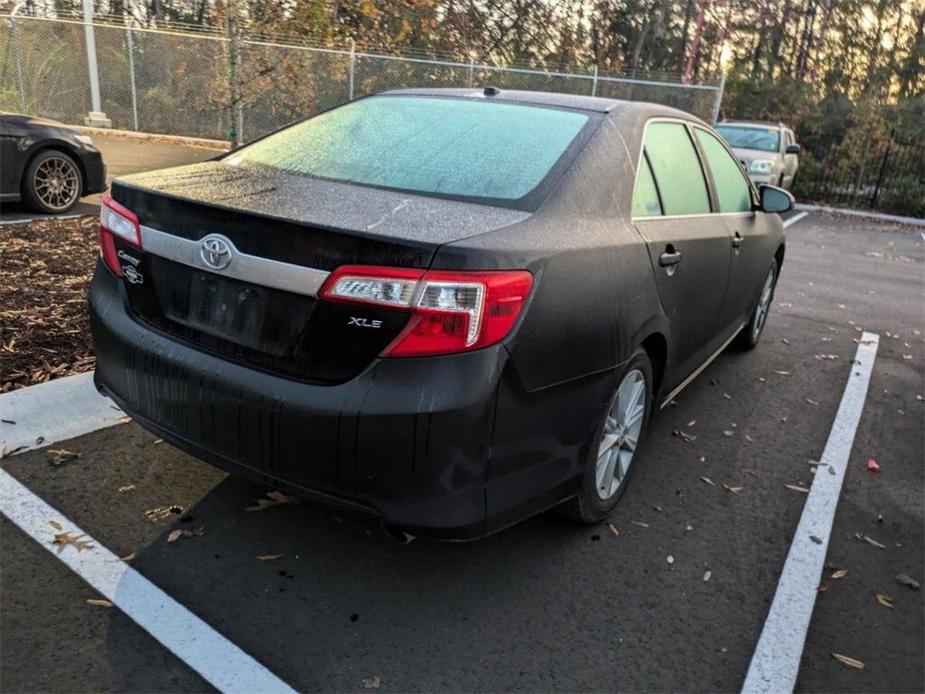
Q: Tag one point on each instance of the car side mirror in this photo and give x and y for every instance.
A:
(792, 149)
(774, 199)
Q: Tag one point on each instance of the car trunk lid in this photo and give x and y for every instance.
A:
(288, 231)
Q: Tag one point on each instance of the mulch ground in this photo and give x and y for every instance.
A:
(45, 269)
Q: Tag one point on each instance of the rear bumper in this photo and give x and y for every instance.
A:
(408, 440)
(94, 170)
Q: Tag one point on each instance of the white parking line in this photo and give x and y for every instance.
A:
(214, 657)
(54, 411)
(794, 219)
(776, 660)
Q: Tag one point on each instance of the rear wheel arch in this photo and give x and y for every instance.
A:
(656, 346)
(779, 257)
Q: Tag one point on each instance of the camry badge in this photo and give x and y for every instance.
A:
(215, 251)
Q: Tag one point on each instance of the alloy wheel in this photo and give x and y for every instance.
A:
(56, 182)
(764, 305)
(621, 434)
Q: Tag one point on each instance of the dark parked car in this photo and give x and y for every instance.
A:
(47, 164)
(447, 308)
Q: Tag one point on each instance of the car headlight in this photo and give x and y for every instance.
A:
(86, 139)
(761, 166)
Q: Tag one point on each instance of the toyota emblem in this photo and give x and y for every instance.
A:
(216, 251)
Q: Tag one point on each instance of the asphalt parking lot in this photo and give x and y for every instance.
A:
(547, 605)
(123, 154)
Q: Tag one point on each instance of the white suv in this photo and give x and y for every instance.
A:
(768, 151)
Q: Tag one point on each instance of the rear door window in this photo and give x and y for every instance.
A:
(645, 196)
(676, 169)
(732, 189)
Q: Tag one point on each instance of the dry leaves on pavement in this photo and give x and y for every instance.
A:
(849, 661)
(99, 602)
(273, 498)
(177, 534)
(60, 456)
(372, 682)
(65, 539)
(885, 600)
(43, 317)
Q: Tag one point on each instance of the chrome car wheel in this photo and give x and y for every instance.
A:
(764, 305)
(56, 182)
(621, 434)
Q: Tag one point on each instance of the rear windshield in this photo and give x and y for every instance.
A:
(764, 139)
(448, 147)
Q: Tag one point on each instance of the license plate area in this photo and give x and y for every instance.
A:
(234, 316)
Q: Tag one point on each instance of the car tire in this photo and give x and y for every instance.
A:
(750, 335)
(52, 182)
(594, 502)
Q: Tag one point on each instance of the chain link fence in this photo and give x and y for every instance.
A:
(183, 84)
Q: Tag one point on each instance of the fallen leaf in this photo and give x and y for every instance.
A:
(785, 340)
(669, 559)
(65, 539)
(708, 481)
(732, 490)
(907, 580)
(177, 534)
(126, 488)
(702, 459)
(128, 557)
(269, 557)
(817, 540)
(56, 525)
(684, 436)
(782, 373)
(797, 488)
(728, 433)
(155, 442)
(59, 456)
(849, 661)
(707, 575)
(749, 471)
(372, 682)
(869, 540)
(659, 509)
(885, 600)
(727, 396)
(640, 524)
(273, 498)
(841, 573)
(691, 423)
(809, 401)
(749, 438)
(873, 465)
(99, 602)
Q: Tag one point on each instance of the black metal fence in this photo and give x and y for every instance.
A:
(878, 172)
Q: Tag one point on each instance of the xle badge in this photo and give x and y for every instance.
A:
(364, 322)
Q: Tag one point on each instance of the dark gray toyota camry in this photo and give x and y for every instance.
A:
(451, 309)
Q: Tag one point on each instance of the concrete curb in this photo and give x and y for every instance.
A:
(202, 142)
(865, 214)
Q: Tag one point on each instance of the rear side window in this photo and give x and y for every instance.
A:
(731, 188)
(449, 147)
(645, 197)
(676, 169)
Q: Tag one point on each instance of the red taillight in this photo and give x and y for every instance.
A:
(451, 311)
(116, 221)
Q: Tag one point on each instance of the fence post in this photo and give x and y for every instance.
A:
(886, 157)
(594, 82)
(234, 83)
(96, 117)
(353, 59)
(719, 98)
(22, 91)
(130, 48)
(471, 72)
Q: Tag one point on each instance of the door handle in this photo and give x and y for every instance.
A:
(669, 257)
(737, 240)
